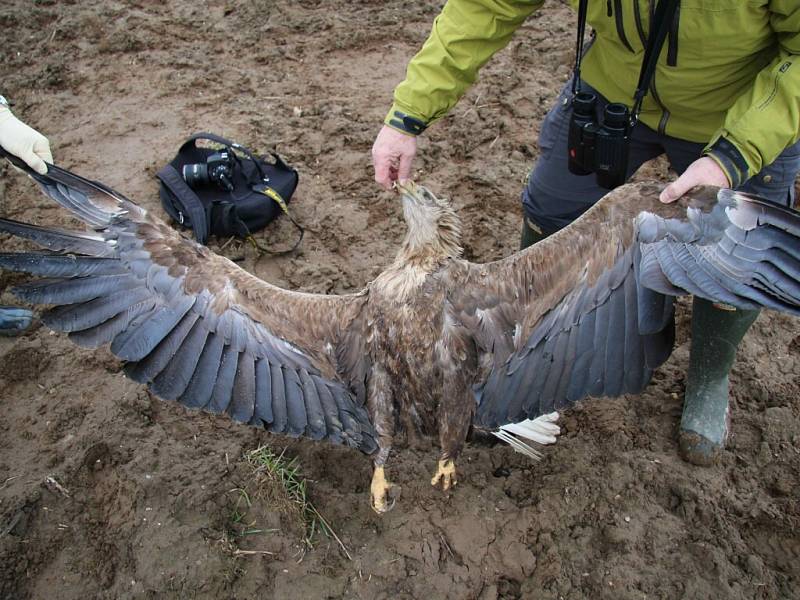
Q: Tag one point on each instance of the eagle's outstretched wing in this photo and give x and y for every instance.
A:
(193, 325)
(589, 311)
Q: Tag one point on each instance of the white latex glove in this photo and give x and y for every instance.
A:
(23, 141)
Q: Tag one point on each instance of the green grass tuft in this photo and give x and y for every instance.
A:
(287, 473)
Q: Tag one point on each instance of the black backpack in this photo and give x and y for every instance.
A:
(234, 194)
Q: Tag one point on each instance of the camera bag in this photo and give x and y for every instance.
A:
(261, 191)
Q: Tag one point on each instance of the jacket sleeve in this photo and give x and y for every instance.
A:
(464, 36)
(766, 119)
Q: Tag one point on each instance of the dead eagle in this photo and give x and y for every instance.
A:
(435, 344)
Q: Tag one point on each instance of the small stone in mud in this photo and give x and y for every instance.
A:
(753, 565)
(508, 588)
(781, 485)
(501, 472)
(614, 535)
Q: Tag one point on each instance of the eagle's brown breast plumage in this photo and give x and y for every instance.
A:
(435, 344)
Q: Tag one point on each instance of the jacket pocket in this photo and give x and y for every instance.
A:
(555, 121)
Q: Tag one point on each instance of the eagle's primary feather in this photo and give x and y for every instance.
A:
(435, 344)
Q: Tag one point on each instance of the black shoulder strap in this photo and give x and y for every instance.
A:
(659, 27)
(188, 200)
(583, 6)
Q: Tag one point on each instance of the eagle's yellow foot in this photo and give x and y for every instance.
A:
(381, 492)
(446, 472)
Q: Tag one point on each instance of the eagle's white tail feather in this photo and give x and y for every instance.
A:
(518, 445)
(541, 430)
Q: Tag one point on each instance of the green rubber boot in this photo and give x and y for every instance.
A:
(716, 333)
(531, 233)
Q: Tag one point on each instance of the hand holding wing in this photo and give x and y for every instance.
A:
(589, 311)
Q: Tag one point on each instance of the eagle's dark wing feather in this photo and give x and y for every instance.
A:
(192, 325)
(589, 311)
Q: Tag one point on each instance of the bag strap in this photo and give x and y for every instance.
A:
(274, 195)
(187, 200)
(204, 135)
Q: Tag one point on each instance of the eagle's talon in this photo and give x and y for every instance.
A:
(446, 472)
(381, 492)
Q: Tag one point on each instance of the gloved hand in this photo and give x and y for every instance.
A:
(392, 154)
(23, 141)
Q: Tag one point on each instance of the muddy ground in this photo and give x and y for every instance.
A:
(106, 492)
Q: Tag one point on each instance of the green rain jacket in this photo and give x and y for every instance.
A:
(728, 74)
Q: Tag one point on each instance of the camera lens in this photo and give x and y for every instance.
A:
(195, 175)
(616, 116)
(583, 103)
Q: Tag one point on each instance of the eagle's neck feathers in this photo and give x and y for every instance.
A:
(433, 238)
(434, 235)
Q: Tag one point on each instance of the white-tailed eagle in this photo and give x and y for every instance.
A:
(435, 344)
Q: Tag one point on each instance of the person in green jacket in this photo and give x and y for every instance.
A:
(723, 105)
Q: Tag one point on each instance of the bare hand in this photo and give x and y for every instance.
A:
(703, 171)
(392, 154)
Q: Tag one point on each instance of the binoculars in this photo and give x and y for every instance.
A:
(599, 147)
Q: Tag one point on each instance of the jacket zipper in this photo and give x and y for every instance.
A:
(662, 123)
(617, 12)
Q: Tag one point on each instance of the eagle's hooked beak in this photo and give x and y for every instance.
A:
(408, 192)
(407, 188)
(418, 194)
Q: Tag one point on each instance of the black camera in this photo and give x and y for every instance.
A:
(600, 148)
(218, 169)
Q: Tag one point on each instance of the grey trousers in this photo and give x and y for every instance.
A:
(554, 197)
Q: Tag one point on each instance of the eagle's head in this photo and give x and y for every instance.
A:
(433, 226)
